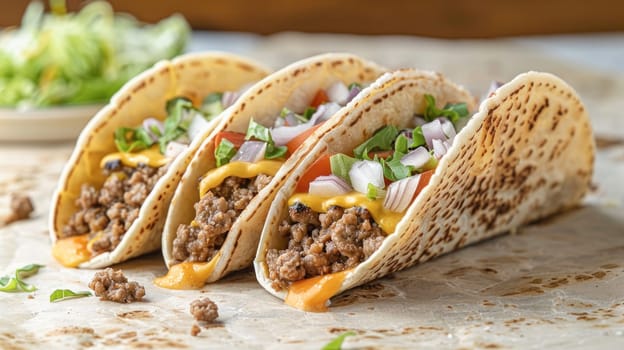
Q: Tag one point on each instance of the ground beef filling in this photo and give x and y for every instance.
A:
(21, 207)
(204, 310)
(215, 214)
(319, 244)
(107, 214)
(112, 285)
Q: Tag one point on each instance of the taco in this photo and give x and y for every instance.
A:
(401, 180)
(113, 194)
(220, 206)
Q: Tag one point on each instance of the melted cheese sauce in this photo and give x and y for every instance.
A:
(188, 275)
(312, 294)
(71, 251)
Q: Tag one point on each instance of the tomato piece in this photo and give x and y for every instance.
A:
(321, 167)
(380, 154)
(294, 144)
(319, 99)
(423, 181)
(234, 137)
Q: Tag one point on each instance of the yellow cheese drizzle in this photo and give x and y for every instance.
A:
(216, 176)
(151, 157)
(386, 219)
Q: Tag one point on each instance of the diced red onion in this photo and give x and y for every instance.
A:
(494, 85)
(250, 152)
(228, 98)
(366, 172)
(325, 111)
(328, 186)
(198, 123)
(416, 158)
(174, 148)
(400, 193)
(419, 120)
(448, 128)
(439, 148)
(338, 92)
(291, 119)
(152, 122)
(433, 130)
(283, 134)
(355, 90)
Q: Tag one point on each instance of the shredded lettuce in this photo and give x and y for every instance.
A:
(84, 57)
(262, 133)
(453, 111)
(225, 152)
(65, 294)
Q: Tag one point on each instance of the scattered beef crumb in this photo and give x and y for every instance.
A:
(205, 310)
(112, 285)
(21, 207)
(195, 330)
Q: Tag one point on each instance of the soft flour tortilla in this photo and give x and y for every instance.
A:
(294, 84)
(193, 76)
(526, 154)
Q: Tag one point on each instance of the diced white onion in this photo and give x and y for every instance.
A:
(250, 151)
(366, 172)
(433, 130)
(198, 123)
(173, 149)
(400, 193)
(338, 93)
(328, 186)
(416, 158)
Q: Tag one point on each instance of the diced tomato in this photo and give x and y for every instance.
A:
(293, 144)
(423, 181)
(319, 99)
(234, 137)
(380, 154)
(321, 167)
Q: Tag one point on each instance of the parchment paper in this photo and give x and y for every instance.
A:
(556, 284)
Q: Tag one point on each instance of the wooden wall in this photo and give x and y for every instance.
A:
(443, 18)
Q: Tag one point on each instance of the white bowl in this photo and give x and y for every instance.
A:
(46, 124)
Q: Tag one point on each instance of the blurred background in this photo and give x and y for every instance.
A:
(439, 19)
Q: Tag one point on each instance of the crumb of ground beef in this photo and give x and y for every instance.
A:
(319, 244)
(21, 207)
(195, 330)
(216, 212)
(204, 309)
(106, 214)
(112, 285)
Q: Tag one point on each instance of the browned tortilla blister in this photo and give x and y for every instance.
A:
(526, 154)
(193, 76)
